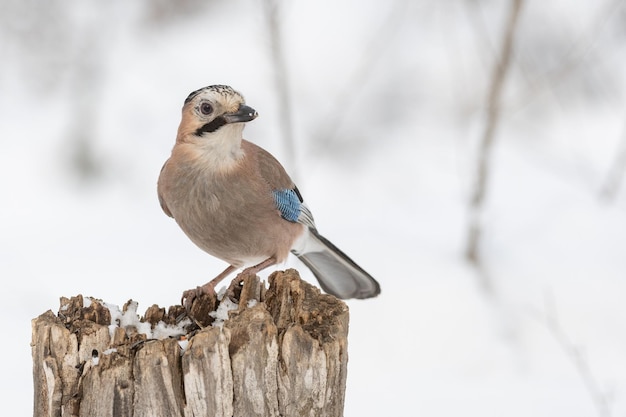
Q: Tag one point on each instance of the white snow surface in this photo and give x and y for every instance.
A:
(226, 304)
(390, 189)
(131, 319)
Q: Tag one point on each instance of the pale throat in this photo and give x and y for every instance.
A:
(221, 149)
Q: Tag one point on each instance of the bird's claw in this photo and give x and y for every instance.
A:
(189, 296)
(198, 303)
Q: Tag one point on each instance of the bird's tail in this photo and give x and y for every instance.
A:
(336, 272)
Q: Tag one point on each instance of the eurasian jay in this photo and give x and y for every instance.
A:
(235, 201)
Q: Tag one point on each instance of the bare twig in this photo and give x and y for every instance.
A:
(577, 357)
(281, 79)
(492, 117)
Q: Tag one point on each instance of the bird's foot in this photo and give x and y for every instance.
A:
(205, 292)
(189, 296)
(199, 302)
(234, 289)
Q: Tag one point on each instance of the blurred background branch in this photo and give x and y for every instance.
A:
(492, 118)
(273, 16)
(575, 354)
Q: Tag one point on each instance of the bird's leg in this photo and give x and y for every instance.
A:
(250, 271)
(253, 270)
(208, 288)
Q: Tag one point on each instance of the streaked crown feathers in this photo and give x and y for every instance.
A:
(223, 90)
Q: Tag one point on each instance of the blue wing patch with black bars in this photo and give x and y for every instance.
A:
(288, 203)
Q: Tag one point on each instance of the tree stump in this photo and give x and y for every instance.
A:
(280, 351)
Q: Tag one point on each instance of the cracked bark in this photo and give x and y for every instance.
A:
(283, 352)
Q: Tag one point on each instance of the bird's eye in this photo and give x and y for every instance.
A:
(206, 108)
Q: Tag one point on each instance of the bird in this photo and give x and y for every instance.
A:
(236, 202)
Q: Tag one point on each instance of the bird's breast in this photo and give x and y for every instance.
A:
(230, 215)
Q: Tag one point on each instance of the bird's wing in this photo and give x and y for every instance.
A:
(161, 200)
(292, 208)
(286, 195)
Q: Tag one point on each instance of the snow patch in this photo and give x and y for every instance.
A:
(131, 320)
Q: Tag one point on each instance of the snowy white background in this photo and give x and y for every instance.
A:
(388, 103)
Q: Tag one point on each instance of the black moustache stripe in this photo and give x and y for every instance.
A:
(211, 126)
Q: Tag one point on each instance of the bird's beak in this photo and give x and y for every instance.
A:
(244, 114)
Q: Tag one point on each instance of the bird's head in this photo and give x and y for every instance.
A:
(216, 110)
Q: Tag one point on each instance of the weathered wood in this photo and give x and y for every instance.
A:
(55, 372)
(281, 352)
(157, 369)
(207, 374)
(254, 357)
(313, 330)
(107, 389)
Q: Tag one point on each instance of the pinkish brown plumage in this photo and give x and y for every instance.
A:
(235, 201)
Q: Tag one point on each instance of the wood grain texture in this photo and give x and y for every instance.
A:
(282, 352)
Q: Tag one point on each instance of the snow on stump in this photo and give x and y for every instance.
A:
(280, 351)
